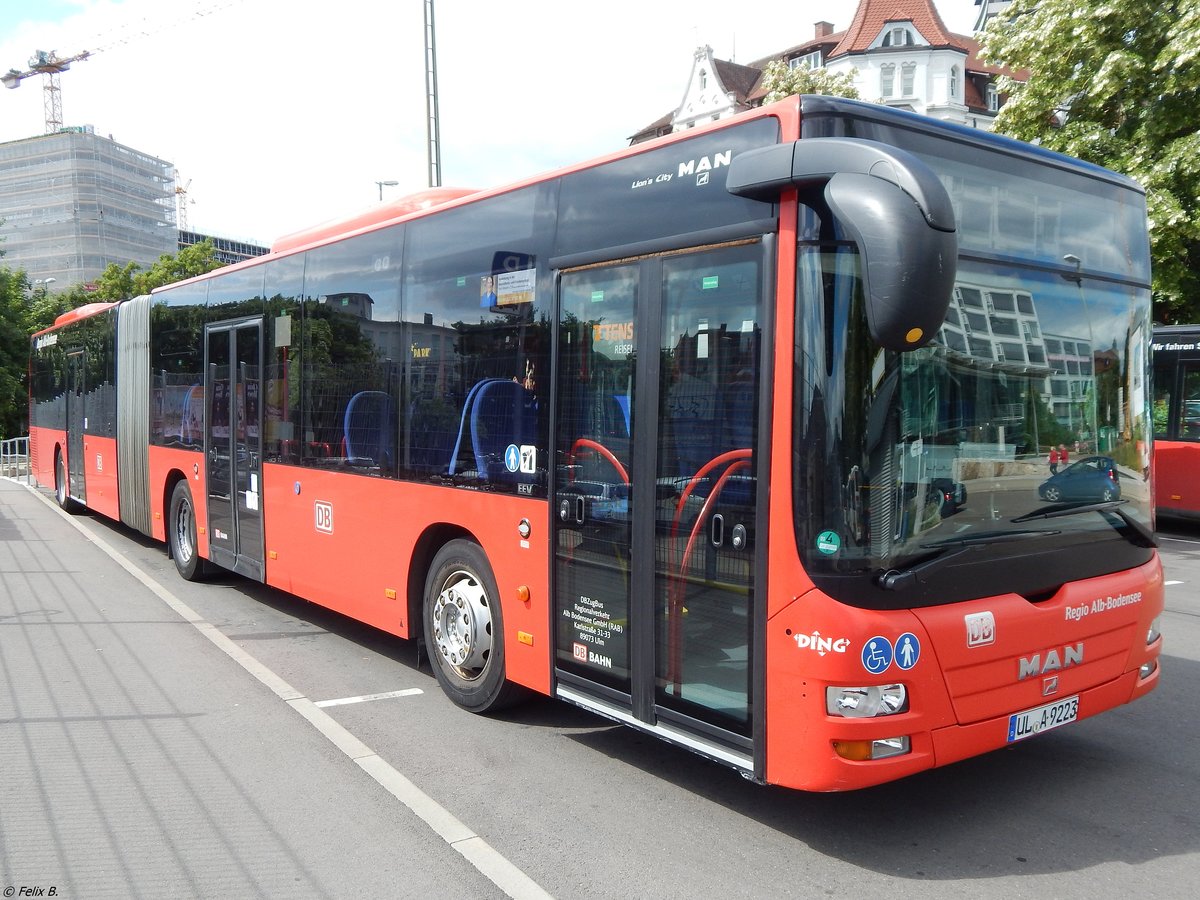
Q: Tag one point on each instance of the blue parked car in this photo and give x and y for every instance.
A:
(1093, 478)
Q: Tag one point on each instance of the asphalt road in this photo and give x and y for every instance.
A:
(138, 758)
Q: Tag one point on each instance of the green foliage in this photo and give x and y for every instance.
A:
(123, 282)
(781, 81)
(24, 311)
(1117, 82)
(14, 353)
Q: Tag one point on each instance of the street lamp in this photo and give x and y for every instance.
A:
(382, 185)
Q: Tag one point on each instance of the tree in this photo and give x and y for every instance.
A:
(23, 312)
(14, 352)
(1117, 83)
(781, 81)
(118, 282)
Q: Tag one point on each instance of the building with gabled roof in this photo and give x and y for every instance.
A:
(900, 51)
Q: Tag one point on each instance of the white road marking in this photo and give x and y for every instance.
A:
(478, 852)
(1168, 583)
(387, 695)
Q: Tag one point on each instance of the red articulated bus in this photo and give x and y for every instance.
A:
(735, 437)
(1176, 351)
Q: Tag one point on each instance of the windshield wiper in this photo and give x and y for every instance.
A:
(1112, 506)
(899, 579)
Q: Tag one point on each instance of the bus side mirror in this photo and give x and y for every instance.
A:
(893, 206)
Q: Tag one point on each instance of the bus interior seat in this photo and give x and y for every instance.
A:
(368, 428)
(498, 413)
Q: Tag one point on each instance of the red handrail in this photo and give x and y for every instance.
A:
(589, 444)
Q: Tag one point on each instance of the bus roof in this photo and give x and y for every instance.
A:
(82, 312)
(376, 215)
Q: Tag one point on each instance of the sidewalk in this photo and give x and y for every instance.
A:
(136, 760)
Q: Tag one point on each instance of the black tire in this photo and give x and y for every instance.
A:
(62, 487)
(464, 630)
(181, 534)
(1053, 494)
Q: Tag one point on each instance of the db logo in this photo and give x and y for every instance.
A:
(324, 516)
(981, 629)
(580, 651)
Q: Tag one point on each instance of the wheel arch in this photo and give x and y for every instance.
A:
(173, 477)
(431, 540)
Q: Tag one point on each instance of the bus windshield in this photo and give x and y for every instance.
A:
(1020, 431)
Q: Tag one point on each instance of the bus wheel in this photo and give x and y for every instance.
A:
(62, 492)
(463, 629)
(181, 533)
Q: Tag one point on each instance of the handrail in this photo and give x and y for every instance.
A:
(14, 458)
(600, 450)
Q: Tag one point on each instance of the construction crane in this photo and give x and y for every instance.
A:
(50, 66)
(181, 202)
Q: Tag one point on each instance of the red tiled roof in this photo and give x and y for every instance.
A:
(872, 15)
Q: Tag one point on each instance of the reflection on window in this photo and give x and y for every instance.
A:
(1189, 408)
(956, 435)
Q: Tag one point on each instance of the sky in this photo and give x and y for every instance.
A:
(281, 114)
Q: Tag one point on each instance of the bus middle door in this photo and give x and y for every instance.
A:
(233, 445)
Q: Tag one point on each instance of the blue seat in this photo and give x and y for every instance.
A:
(498, 413)
(368, 429)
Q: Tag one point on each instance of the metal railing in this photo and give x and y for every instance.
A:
(14, 459)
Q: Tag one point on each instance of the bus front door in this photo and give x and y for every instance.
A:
(233, 446)
(656, 497)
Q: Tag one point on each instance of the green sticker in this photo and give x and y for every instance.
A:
(710, 282)
(462, 282)
(829, 543)
(597, 296)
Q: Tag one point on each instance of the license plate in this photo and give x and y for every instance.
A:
(1033, 721)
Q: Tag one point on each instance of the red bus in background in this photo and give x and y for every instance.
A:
(732, 437)
(1176, 351)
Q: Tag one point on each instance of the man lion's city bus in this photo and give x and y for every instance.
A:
(1177, 420)
(737, 437)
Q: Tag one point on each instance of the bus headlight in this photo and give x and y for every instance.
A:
(1154, 634)
(866, 702)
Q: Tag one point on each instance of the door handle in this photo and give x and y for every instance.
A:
(716, 530)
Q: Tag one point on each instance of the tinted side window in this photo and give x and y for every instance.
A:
(352, 353)
(283, 286)
(177, 365)
(477, 295)
(1164, 390)
(98, 335)
(673, 190)
(236, 295)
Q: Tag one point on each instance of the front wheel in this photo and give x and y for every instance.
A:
(181, 534)
(1053, 494)
(463, 629)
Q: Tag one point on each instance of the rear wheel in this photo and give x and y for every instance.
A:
(181, 534)
(464, 630)
(62, 487)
